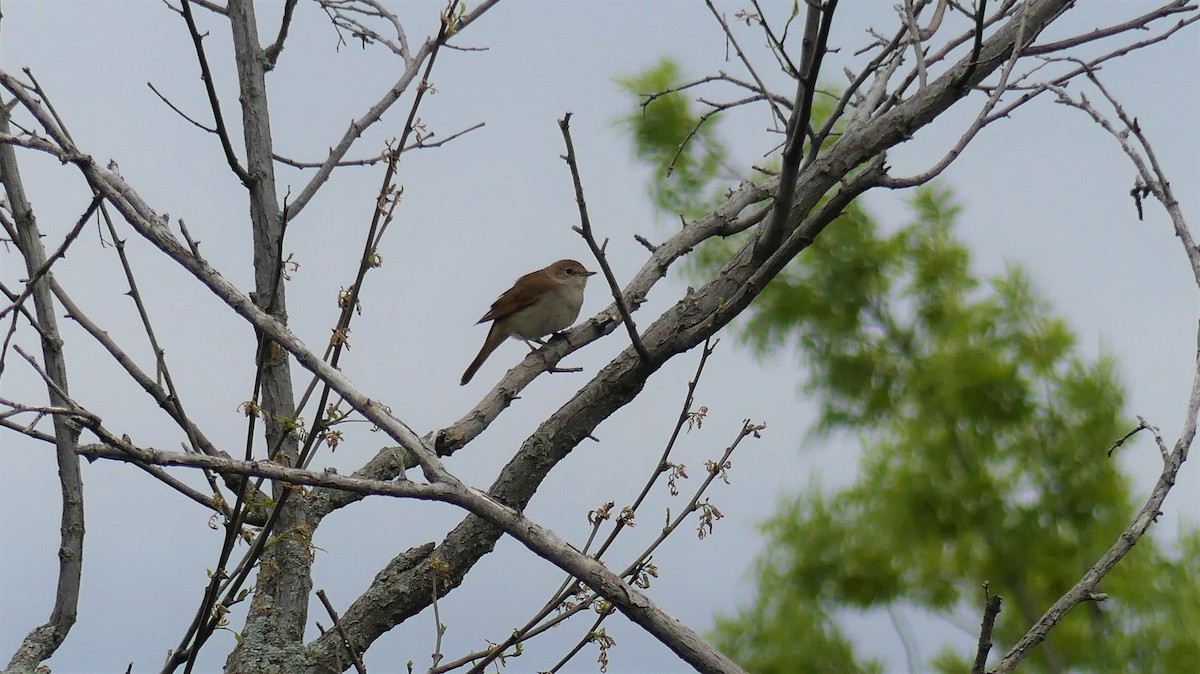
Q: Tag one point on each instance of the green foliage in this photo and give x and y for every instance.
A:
(983, 433)
(668, 135)
(780, 636)
(984, 437)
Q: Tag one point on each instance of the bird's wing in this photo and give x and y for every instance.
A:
(527, 290)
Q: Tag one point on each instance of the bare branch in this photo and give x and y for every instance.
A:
(991, 609)
(541, 541)
(745, 61)
(211, 89)
(272, 52)
(179, 112)
(647, 99)
(1156, 184)
(25, 430)
(358, 126)
(977, 46)
(585, 230)
(206, 4)
(816, 37)
(909, 16)
(570, 586)
(58, 254)
(776, 44)
(1151, 178)
(337, 624)
(1084, 590)
(1092, 64)
(422, 143)
(44, 640)
(1139, 23)
(349, 14)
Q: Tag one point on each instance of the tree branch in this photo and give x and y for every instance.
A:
(991, 609)
(44, 640)
(272, 52)
(1155, 183)
(211, 89)
(585, 230)
(689, 645)
(358, 126)
(816, 36)
(337, 624)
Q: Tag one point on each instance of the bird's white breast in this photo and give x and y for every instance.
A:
(554, 311)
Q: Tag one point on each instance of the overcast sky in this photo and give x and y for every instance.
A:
(1046, 189)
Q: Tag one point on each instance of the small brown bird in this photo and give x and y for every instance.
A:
(538, 304)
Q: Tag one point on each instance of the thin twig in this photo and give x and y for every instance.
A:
(745, 61)
(570, 586)
(1142, 425)
(437, 623)
(422, 144)
(1139, 23)
(77, 412)
(62, 251)
(687, 416)
(337, 623)
(588, 637)
(585, 230)
(717, 108)
(775, 43)
(721, 76)
(1036, 90)
(213, 100)
(162, 97)
(25, 430)
(160, 396)
(381, 217)
(358, 126)
(909, 16)
(716, 469)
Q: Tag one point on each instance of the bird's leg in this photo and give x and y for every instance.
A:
(542, 342)
(533, 345)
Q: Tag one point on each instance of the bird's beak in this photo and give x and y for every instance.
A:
(589, 273)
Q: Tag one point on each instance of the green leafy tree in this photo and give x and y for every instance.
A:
(668, 135)
(983, 437)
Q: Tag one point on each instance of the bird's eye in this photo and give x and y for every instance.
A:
(570, 271)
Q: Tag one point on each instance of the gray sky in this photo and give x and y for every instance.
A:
(1047, 190)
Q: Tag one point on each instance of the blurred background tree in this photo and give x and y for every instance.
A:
(983, 430)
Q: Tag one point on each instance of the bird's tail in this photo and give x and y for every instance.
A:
(495, 337)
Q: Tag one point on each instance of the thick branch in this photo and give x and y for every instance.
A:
(816, 35)
(990, 610)
(279, 607)
(45, 639)
(677, 636)
(698, 315)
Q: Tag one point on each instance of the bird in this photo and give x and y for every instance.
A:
(539, 303)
